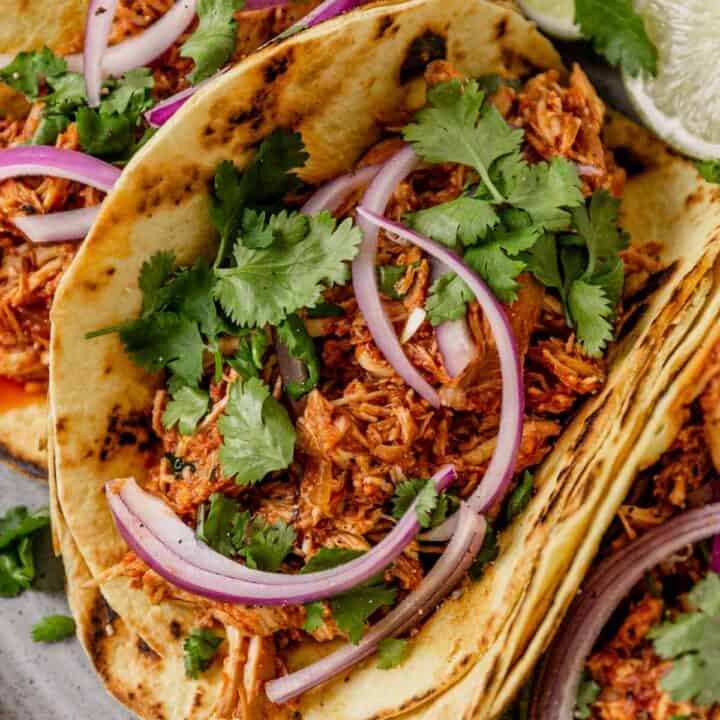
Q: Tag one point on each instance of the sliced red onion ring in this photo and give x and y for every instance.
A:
(163, 111)
(448, 570)
(57, 227)
(172, 550)
(97, 32)
(502, 465)
(557, 686)
(332, 195)
(142, 49)
(454, 339)
(364, 276)
(68, 164)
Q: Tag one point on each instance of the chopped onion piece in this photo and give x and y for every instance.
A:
(556, 690)
(502, 464)
(324, 11)
(332, 195)
(55, 162)
(589, 170)
(454, 339)
(449, 569)
(364, 275)
(172, 550)
(413, 324)
(57, 227)
(97, 31)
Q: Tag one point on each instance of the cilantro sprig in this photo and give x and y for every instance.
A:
(617, 32)
(53, 628)
(17, 565)
(431, 508)
(509, 222)
(200, 648)
(691, 641)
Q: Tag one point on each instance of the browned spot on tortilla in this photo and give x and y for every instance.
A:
(198, 699)
(695, 198)
(110, 271)
(60, 425)
(124, 431)
(386, 22)
(501, 28)
(425, 48)
(277, 66)
(175, 629)
(90, 286)
(146, 650)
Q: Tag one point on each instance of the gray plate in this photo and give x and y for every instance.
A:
(40, 681)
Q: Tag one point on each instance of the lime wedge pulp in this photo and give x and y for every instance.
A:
(682, 104)
(555, 17)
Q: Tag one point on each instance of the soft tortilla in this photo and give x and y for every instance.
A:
(329, 83)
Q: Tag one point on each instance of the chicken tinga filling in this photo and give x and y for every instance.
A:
(654, 638)
(62, 147)
(359, 384)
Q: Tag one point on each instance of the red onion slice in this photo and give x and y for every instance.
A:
(589, 170)
(455, 342)
(556, 690)
(324, 11)
(172, 550)
(502, 465)
(68, 164)
(448, 570)
(97, 31)
(56, 227)
(163, 111)
(364, 276)
(331, 195)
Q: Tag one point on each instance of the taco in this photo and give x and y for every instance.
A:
(386, 298)
(650, 606)
(158, 53)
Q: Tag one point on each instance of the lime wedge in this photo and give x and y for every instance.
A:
(682, 104)
(555, 17)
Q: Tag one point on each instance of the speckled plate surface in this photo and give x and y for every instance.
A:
(39, 681)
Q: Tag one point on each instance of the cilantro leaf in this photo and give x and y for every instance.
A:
(213, 42)
(597, 226)
(130, 93)
(261, 185)
(314, 616)
(17, 568)
(588, 693)
(520, 496)
(543, 190)
(248, 360)
(200, 648)
(292, 333)
(68, 93)
(431, 508)
(29, 70)
(154, 275)
(391, 652)
(618, 33)
(327, 558)
(49, 128)
(265, 286)
(352, 609)
(542, 261)
(222, 525)
(453, 129)
(692, 642)
(487, 553)
(325, 310)
(105, 135)
(499, 271)
(258, 435)
(266, 545)
(447, 299)
(709, 169)
(53, 628)
(388, 277)
(465, 219)
(186, 408)
(18, 523)
(591, 309)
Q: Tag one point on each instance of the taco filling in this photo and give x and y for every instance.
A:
(35, 253)
(340, 375)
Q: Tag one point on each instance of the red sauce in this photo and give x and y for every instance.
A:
(14, 395)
